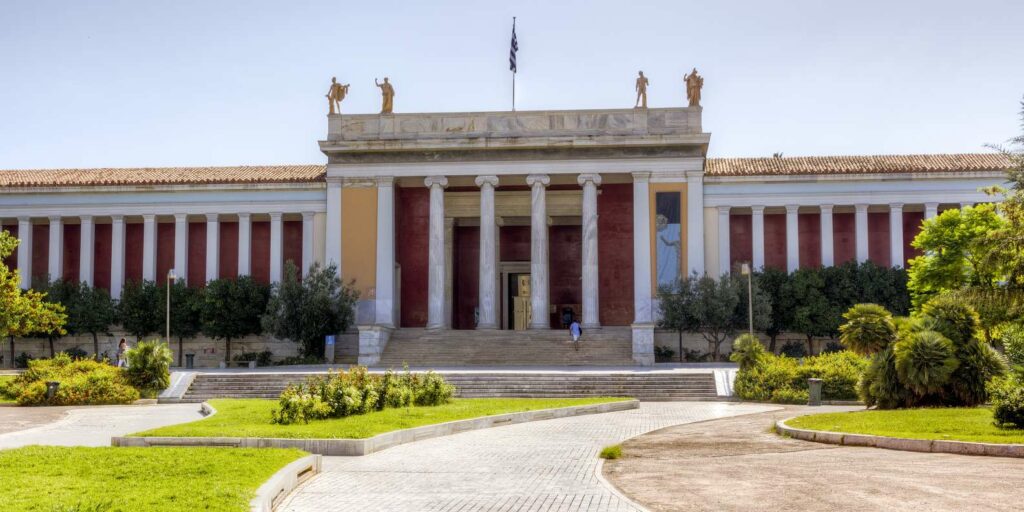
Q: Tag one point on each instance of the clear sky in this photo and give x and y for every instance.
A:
(138, 83)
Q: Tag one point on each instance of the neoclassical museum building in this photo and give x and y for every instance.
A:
(489, 220)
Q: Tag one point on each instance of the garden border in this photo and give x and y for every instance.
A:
(282, 483)
(357, 447)
(900, 443)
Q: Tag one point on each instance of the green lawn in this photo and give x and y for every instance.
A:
(4, 380)
(947, 424)
(50, 478)
(251, 418)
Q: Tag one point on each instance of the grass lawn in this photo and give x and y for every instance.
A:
(50, 478)
(251, 418)
(946, 424)
(4, 380)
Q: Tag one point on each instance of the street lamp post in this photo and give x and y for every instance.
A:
(170, 280)
(745, 270)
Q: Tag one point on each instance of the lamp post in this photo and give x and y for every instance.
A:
(170, 280)
(745, 270)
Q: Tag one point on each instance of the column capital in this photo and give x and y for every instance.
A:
(724, 210)
(933, 206)
(181, 217)
(696, 174)
(538, 179)
(85, 218)
(212, 217)
(641, 176)
(117, 218)
(792, 208)
(486, 180)
(593, 177)
(55, 218)
(276, 216)
(24, 218)
(440, 181)
(895, 206)
(244, 216)
(308, 215)
(148, 217)
(385, 181)
(860, 207)
(757, 210)
(826, 208)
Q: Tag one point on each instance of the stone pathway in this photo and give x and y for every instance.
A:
(544, 465)
(89, 426)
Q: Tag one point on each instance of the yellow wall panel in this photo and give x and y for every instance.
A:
(359, 239)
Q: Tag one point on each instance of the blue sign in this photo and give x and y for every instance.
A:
(329, 339)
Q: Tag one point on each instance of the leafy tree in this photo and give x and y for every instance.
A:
(186, 313)
(232, 309)
(61, 292)
(91, 311)
(676, 301)
(875, 284)
(307, 311)
(813, 315)
(24, 312)
(140, 309)
(773, 282)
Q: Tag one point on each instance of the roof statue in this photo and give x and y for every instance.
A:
(387, 92)
(694, 83)
(335, 95)
(641, 91)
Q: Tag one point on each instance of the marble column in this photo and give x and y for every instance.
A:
(591, 299)
(539, 291)
(86, 250)
(642, 293)
(436, 265)
(488, 294)
(307, 241)
(449, 263)
(792, 237)
(861, 221)
(212, 246)
(181, 246)
(695, 221)
(55, 269)
(149, 247)
(244, 244)
(332, 240)
(757, 236)
(276, 247)
(931, 210)
(25, 251)
(827, 238)
(116, 255)
(384, 305)
(896, 235)
(724, 253)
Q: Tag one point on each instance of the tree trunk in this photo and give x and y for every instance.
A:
(810, 345)
(227, 351)
(181, 351)
(12, 351)
(771, 347)
(680, 346)
(52, 353)
(96, 346)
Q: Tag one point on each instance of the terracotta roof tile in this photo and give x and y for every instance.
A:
(162, 176)
(866, 164)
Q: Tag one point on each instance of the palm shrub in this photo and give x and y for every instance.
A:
(880, 385)
(747, 350)
(925, 361)
(149, 365)
(869, 329)
(1011, 337)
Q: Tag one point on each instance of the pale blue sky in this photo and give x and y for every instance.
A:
(133, 83)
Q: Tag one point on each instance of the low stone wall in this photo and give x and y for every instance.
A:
(282, 483)
(356, 447)
(670, 339)
(896, 443)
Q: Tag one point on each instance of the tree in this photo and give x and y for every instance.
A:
(24, 312)
(186, 313)
(139, 310)
(61, 292)
(307, 311)
(812, 314)
(232, 309)
(772, 282)
(91, 311)
(675, 301)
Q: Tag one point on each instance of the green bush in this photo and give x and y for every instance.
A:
(880, 386)
(261, 358)
(790, 396)
(794, 349)
(1011, 337)
(780, 377)
(82, 382)
(869, 328)
(953, 319)
(760, 381)
(1007, 395)
(149, 365)
(924, 361)
(340, 394)
(838, 371)
(747, 350)
(611, 452)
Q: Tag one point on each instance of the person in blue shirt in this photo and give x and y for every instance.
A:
(576, 331)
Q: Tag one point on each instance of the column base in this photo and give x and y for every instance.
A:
(643, 344)
(372, 340)
(493, 327)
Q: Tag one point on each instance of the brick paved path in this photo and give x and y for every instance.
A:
(544, 465)
(93, 426)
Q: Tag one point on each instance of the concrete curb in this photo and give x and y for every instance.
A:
(599, 474)
(357, 447)
(282, 483)
(898, 443)
(180, 382)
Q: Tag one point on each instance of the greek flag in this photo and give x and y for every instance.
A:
(514, 49)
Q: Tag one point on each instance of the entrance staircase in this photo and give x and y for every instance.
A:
(608, 346)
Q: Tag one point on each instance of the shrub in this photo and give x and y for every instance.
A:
(83, 382)
(261, 358)
(76, 353)
(777, 378)
(979, 363)
(794, 349)
(293, 360)
(340, 394)
(1011, 337)
(869, 328)
(839, 372)
(833, 346)
(760, 381)
(747, 350)
(790, 396)
(925, 361)
(611, 452)
(953, 319)
(663, 354)
(149, 365)
(22, 360)
(1007, 395)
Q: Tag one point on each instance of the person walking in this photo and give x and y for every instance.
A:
(576, 331)
(122, 353)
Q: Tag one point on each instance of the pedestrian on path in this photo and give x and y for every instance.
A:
(576, 331)
(122, 353)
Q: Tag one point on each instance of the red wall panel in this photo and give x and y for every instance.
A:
(40, 251)
(101, 257)
(412, 225)
(72, 248)
(164, 250)
(466, 267)
(775, 240)
(12, 260)
(810, 239)
(261, 251)
(293, 243)
(911, 227)
(515, 243)
(133, 252)
(741, 240)
(228, 250)
(878, 238)
(844, 237)
(615, 254)
(565, 260)
(196, 254)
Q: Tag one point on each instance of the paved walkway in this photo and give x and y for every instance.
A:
(544, 465)
(87, 426)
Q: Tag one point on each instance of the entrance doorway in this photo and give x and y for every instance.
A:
(519, 300)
